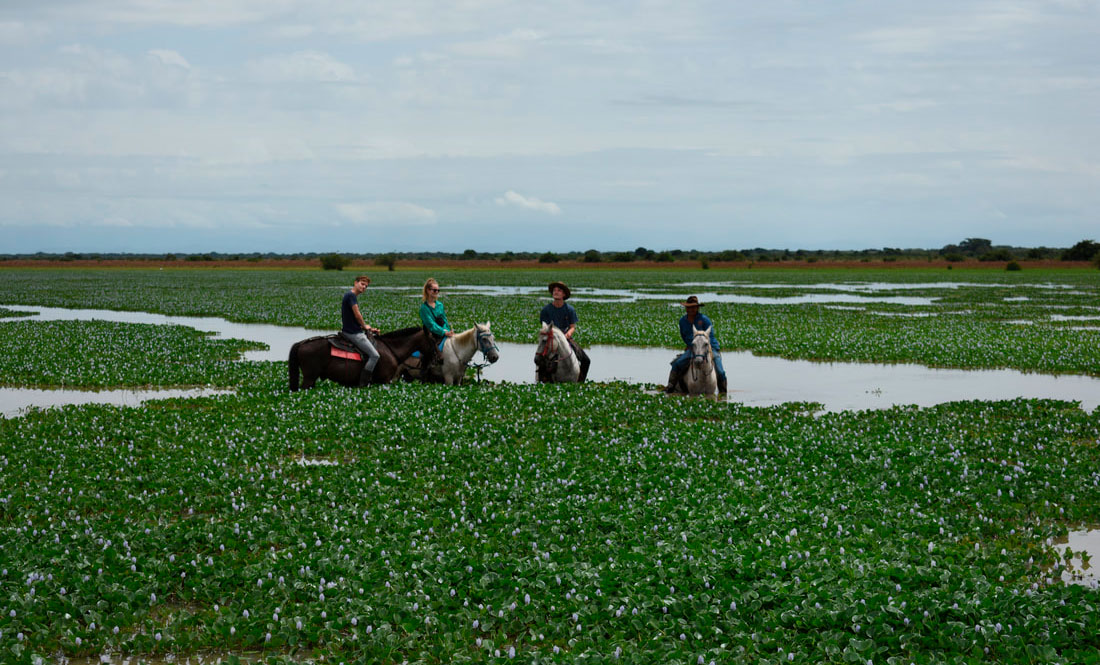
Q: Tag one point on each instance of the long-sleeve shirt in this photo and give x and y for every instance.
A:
(435, 320)
(687, 330)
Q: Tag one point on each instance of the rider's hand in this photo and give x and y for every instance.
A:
(450, 333)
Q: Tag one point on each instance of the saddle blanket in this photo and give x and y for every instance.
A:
(341, 348)
(340, 353)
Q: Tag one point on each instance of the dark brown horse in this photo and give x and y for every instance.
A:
(315, 359)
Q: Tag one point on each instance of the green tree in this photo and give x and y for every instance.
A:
(549, 257)
(1082, 251)
(387, 260)
(593, 256)
(334, 261)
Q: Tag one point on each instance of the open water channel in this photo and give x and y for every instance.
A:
(753, 380)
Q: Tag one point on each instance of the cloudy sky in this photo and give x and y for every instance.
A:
(322, 125)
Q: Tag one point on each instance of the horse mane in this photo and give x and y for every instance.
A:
(398, 334)
(465, 335)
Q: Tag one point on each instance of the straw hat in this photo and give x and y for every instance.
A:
(692, 301)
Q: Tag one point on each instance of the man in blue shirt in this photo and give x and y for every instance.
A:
(355, 329)
(691, 321)
(562, 315)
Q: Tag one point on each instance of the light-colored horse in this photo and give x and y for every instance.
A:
(701, 377)
(555, 361)
(456, 354)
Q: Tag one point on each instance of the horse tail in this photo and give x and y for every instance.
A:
(292, 362)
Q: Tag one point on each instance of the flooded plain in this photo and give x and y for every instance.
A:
(753, 380)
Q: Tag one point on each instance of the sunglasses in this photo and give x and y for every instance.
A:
(434, 290)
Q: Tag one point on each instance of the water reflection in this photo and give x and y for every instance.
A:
(278, 338)
(631, 295)
(753, 380)
(15, 402)
(1078, 570)
(766, 381)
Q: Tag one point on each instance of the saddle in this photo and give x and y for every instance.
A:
(342, 347)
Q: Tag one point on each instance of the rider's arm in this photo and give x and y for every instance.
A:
(359, 318)
(429, 321)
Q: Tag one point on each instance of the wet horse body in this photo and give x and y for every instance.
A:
(555, 360)
(318, 358)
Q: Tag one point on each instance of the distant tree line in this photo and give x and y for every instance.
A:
(981, 249)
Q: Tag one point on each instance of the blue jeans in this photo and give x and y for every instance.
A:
(682, 361)
(369, 352)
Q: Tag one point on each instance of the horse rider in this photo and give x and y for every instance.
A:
(432, 314)
(691, 321)
(562, 315)
(355, 329)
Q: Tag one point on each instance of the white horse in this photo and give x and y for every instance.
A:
(456, 354)
(555, 360)
(701, 377)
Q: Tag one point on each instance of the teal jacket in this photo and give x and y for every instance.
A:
(435, 320)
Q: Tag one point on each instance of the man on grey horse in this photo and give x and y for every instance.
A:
(561, 314)
(355, 329)
(691, 321)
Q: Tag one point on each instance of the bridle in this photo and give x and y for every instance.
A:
(705, 356)
(485, 342)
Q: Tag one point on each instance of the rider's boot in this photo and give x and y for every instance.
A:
(721, 385)
(674, 377)
(365, 376)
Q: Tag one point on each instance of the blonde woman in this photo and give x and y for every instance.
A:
(431, 311)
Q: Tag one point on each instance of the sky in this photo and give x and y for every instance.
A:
(339, 125)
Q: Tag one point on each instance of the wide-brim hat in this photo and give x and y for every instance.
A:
(559, 285)
(692, 301)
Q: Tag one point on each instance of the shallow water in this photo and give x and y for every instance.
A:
(630, 295)
(1079, 571)
(15, 402)
(766, 381)
(753, 380)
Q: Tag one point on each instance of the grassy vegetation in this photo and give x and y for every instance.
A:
(98, 354)
(537, 523)
(978, 319)
(568, 524)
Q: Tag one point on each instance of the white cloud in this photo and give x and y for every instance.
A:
(170, 58)
(383, 212)
(509, 46)
(303, 66)
(512, 198)
(19, 32)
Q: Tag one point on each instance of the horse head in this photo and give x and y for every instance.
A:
(486, 343)
(700, 347)
(546, 353)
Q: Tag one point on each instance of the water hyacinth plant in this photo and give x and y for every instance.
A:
(560, 522)
(540, 523)
(968, 318)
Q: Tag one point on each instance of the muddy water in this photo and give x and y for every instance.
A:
(753, 380)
